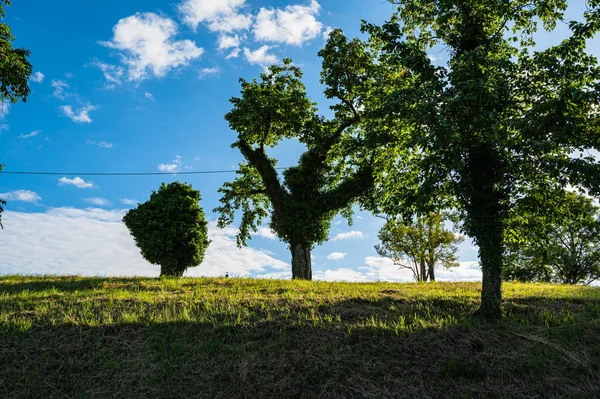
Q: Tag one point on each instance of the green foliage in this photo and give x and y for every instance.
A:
(15, 70)
(562, 246)
(419, 245)
(498, 123)
(333, 172)
(170, 228)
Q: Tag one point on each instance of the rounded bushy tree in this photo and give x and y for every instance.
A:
(170, 228)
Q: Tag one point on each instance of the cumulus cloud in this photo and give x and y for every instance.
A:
(234, 53)
(148, 46)
(113, 74)
(59, 87)
(226, 42)
(77, 182)
(98, 201)
(21, 195)
(174, 166)
(294, 25)
(219, 15)
(103, 144)
(37, 77)
(327, 32)
(30, 135)
(205, 72)
(260, 57)
(81, 115)
(336, 256)
(128, 201)
(348, 235)
(92, 242)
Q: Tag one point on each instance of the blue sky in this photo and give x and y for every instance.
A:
(143, 86)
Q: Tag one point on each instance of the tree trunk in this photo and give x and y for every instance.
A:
(423, 270)
(431, 273)
(170, 270)
(301, 262)
(491, 255)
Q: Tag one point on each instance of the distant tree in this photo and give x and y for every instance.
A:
(497, 121)
(420, 245)
(333, 172)
(562, 246)
(170, 228)
(15, 71)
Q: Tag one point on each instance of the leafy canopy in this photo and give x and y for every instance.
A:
(332, 173)
(170, 228)
(15, 70)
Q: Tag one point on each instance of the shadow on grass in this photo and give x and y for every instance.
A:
(343, 348)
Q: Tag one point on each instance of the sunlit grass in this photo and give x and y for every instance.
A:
(245, 337)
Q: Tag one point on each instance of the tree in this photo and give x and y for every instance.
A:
(333, 172)
(420, 245)
(170, 228)
(497, 123)
(15, 70)
(564, 247)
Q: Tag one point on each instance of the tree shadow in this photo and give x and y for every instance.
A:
(352, 347)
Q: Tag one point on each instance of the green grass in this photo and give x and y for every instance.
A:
(72, 337)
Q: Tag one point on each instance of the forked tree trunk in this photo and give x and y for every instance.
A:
(301, 263)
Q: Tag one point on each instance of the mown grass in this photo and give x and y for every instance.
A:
(72, 337)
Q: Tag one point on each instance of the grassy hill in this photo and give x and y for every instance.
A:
(72, 337)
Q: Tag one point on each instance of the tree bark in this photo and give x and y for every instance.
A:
(423, 270)
(170, 270)
(431, 273)
(301, 262)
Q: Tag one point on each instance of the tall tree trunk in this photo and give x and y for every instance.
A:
(423, 270)
(301, 262)
(170, 269)
(491, 252)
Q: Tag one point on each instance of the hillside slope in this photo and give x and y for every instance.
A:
(228, 338)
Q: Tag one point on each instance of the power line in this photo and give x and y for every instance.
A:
(204, 172)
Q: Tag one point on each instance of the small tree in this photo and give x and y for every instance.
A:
(420, 245)
(170, 228)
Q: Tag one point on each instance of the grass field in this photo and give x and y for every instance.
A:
(72, 337)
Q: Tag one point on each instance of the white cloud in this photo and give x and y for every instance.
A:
(204, 72)
(59, 87)
(4, 126)
(21, 195)
(341, 274)
(148, 47)
(174, 166)
(69, 75)
(219, 15)
(327, 32)
(226, 42)
(348, 235)
(128, 201)
(77, 182)
(112, 73)
(234, 53)
(30, 135)
(92, 242)
(266, 232)
(37, 77)
(103, 144)
(336, 256)
(4, 109)
(260, 56)
(82, 115)
(294, 25)
(98, 201)
(149, 96)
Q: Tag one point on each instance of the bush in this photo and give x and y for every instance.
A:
(170, 228)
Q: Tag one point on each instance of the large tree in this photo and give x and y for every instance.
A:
(15, 70)
(497, 123)
(332, 173)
